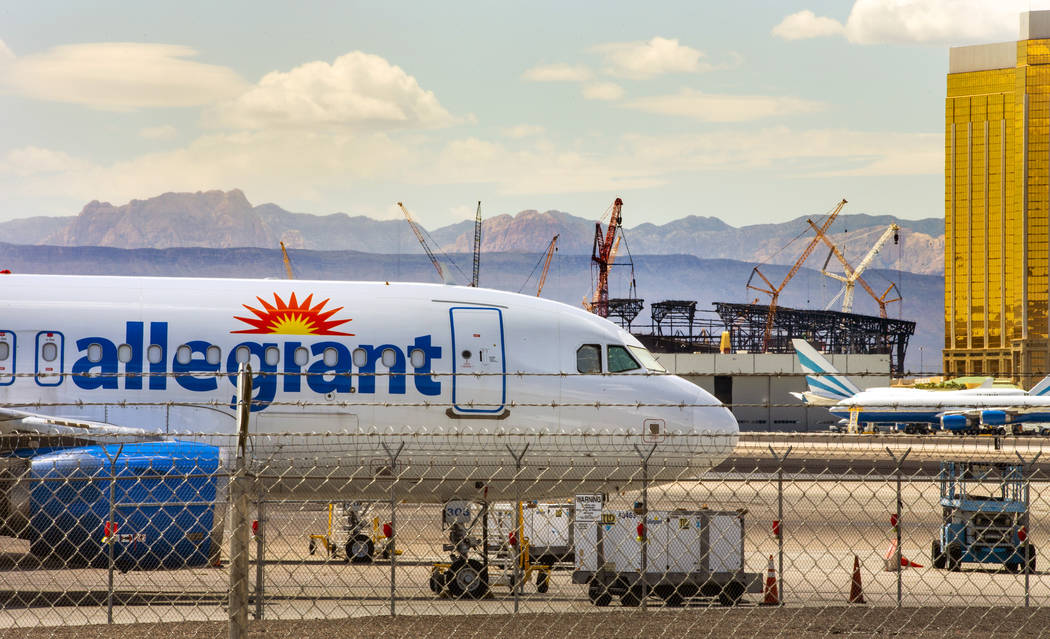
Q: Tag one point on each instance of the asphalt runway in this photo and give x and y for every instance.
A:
(838, 494)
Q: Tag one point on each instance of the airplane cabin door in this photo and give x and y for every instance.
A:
(50, 358)
(7, 358)
(478, 361)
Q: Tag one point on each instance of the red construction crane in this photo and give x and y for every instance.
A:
(774, 291)
(602, 256)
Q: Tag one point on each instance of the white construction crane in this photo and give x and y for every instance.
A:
(851, 276)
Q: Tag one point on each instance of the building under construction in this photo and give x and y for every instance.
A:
(676, 328)
(758, 328)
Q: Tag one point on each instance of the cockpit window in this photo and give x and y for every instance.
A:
(647, 359)
(621, 361)
(589, 359)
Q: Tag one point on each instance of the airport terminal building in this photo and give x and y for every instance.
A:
(997, 193)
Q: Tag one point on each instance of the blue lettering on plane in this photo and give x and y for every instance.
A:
(198, 375)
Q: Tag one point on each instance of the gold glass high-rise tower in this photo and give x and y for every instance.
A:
(996, 197)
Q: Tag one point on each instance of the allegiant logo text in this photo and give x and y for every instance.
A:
(324, 366)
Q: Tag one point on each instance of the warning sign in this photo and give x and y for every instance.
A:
(588, 507)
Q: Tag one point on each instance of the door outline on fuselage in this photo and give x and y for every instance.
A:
(455, 357)
(60, 342)
(12, 356)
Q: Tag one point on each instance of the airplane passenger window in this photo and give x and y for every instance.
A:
(94, 353)
(272, 354)
(154, 354)
(301, 356)
(242, 354)
(183, 354)
(49, 352)
(620, 360)
(331, 357)
(589, 358)
(360, 357)
(124, 353)
(416, 356)
(389, 357)
(5, 351)
(213, 355)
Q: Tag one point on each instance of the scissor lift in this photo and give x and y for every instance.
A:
(984, 516)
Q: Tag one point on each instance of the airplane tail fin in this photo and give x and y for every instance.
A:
(1042, 388)
(821, 376)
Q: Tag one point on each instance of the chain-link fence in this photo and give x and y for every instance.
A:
(497, 530)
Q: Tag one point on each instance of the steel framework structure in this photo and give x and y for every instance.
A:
(828, 331)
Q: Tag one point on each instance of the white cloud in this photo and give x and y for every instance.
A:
(6, 55)
(34, 160)
(653, 57)
(357, 89)
(714, 107)
(602, 91)
(161, 132)
(916, 21)
(806, 24)
(519, 131)
(331, 166)
(810, 152)
(118, 76)
(557, 72)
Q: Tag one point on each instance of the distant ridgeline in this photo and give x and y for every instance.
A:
(224, 219)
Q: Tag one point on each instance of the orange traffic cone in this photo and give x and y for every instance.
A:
(894, 560)
(856, 593)
(770, 595)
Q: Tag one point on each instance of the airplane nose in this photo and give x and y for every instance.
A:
(715, 421)
(713, 418)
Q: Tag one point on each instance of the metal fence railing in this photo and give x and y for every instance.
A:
(499, 531)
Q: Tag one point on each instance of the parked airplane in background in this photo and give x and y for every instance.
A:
(961, 411)
(346, 373)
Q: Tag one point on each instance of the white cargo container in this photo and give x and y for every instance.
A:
(688, 554)
(547, 526)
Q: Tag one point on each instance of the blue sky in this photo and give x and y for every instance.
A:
(750, 111)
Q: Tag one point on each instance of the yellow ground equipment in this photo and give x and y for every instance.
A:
(350, 541)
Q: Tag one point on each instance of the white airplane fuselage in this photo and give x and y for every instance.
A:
(346, 374)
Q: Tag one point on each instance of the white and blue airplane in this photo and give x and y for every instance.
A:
(356, 385)
(961, 411)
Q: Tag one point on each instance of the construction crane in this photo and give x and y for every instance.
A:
(602, 256)
(287, 262)
(477, 247)
(774, 291)
(852, 275)
(552, 246)
(423, 242)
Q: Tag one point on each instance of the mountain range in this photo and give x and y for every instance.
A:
(225, 219)
(221, 234)
(659, 277)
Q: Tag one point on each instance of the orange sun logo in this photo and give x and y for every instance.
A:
(292, 318)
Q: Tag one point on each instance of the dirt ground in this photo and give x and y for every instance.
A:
(800, 623)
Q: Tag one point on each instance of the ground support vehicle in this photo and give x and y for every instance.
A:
(688, 554)
(350, 537)
(985, 516)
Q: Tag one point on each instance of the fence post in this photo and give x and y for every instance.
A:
(111, 528)
(391, 546)
(645, 522)
(519, 527)
(897, 558)
(780, 459)
(1025, 486)
(238, 604)
(260, 551)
